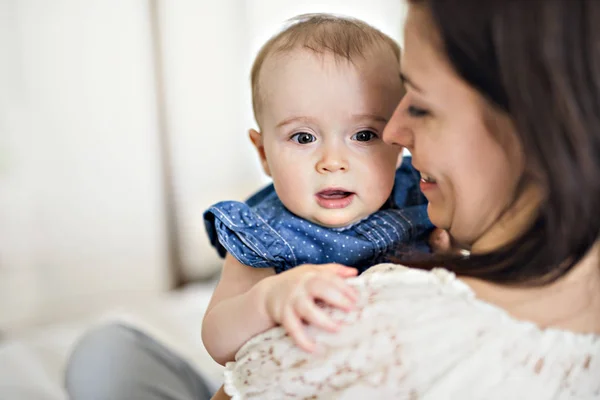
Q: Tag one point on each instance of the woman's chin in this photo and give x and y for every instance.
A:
(438, 217)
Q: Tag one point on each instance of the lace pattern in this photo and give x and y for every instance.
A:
(419, 335)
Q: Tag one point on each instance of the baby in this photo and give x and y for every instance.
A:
(323, 91)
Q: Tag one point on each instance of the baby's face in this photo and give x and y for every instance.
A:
(322, 119)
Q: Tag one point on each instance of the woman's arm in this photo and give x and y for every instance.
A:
(236, 311)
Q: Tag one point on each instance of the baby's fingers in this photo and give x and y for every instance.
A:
(440, 242)
(333, 291)
(340, 270)
(313, 315)
(294, 327)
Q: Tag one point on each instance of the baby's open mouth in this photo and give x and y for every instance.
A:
(334, 198)
(332, 194)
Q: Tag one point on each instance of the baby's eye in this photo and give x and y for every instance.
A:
(303, 138)
(417, 112)
(364, 136)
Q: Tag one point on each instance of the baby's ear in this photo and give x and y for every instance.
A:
(257, 140)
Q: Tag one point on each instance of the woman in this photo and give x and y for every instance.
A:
(502, 117)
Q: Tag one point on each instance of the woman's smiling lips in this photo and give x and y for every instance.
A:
(333, 198)
(427, 182)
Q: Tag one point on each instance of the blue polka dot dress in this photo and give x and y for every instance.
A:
(262, 233)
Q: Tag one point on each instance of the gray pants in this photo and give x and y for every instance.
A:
(117, 362)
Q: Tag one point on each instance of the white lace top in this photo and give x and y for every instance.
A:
(419, 335)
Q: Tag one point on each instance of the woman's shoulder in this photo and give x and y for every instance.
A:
(420, 334)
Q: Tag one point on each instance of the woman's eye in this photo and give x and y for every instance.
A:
(303, 138)
(364, 136)
(417, 112)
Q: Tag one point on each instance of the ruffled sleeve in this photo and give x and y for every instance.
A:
(233, 227)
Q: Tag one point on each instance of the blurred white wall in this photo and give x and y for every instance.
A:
(81, 212)
(266, 17)
(82, 202)
(205, 81)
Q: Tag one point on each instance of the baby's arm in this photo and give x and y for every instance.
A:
(249, 301)
(236, 311)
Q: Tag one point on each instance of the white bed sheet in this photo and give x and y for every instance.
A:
(32, 365)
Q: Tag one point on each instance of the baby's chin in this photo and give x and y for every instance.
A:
(336, 221)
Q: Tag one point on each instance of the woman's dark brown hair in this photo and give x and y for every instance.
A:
(538, 60)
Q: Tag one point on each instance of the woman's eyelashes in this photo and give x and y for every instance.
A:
(417, 112)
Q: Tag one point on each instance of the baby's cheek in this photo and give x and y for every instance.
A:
(289, 190)
(399, 158)
(384, 166)
(390, 154)
(379, 184)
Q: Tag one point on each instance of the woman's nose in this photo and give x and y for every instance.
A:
(398, 131)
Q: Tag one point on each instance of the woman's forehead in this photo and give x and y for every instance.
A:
(423, 54)
(419, 24)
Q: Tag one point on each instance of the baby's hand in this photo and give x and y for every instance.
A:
(441, 243)
(292, 295)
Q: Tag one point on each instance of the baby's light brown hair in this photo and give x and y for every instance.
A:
(343, 37)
